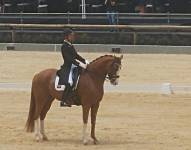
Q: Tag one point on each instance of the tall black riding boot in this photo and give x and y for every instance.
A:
(65, 97)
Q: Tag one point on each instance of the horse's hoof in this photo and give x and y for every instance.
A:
(96, 142)
(45, 138)
(39, 138)
(85, 142)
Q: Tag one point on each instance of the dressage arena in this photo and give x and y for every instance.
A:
(126, 121)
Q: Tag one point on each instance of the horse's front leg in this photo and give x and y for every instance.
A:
(86, 110)
(94, 110)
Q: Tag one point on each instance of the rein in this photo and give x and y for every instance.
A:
(107, 78)
(100, 76)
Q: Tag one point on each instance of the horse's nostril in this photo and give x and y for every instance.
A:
(115, 83)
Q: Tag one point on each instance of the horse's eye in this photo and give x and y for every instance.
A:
(116, 66)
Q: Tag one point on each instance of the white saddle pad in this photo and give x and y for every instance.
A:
(58, 87)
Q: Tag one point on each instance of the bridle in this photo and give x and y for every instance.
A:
(112, 75)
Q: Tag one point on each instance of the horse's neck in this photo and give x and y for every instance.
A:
(99, 67)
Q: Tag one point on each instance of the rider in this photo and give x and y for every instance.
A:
(71, 59)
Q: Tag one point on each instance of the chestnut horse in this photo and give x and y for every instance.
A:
(90, 91)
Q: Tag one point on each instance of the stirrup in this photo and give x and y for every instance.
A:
(64, 104)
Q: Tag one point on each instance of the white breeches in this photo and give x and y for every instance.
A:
(70, 81)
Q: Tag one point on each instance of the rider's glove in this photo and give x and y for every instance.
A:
(82, 65)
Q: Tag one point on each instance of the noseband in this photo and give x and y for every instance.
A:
(113, 77)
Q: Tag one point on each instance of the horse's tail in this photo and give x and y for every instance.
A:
(30, 120)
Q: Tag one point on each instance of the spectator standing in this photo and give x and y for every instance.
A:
(141, 6)
(2, 6)
(111, 7)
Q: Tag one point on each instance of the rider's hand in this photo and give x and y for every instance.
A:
(83, 65)
(87, 62)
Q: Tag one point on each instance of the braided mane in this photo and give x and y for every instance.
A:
(100, 58)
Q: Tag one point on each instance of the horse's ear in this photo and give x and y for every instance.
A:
(121, 57)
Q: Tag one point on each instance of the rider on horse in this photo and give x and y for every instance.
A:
(71, 60)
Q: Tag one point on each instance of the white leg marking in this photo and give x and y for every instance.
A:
(42, 126)
(84, 134)
(42, 130)
(38, 135)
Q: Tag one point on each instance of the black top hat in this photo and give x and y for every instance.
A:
(67, 32)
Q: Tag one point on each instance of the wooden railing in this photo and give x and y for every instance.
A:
(85, 26)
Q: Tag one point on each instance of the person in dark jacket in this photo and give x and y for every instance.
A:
(111, 8)
(71, 60)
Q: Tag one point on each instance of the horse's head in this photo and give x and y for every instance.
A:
(108, 66)
(113, 70)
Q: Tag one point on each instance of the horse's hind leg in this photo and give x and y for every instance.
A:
(44, 111)
(42, 131)
(38, 135)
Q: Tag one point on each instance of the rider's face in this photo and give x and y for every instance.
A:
(71, 37)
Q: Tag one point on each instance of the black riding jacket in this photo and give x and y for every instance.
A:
(69, 55)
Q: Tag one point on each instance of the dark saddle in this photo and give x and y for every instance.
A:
(73, 97)
(63, 79)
